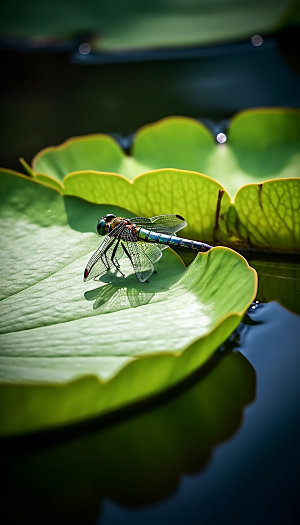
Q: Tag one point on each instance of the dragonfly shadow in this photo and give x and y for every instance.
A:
(117, 293)
(112, 297)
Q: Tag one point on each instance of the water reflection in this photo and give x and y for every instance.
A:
(279, 281)
(84, 48)
(257, 40)
(278, 278)
(221, 138)
(134, 461)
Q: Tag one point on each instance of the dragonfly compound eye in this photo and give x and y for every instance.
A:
(101, 227)
(109, 217)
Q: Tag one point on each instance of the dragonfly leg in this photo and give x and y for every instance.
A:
(113, 255)
(105, 262)
(114, 260)
(127, 253)
(104, 256)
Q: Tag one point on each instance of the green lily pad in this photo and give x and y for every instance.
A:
(269, 214)
(201, 200)
(71, 350)
(262, 144)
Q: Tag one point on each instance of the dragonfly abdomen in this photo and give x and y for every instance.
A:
(171, 240)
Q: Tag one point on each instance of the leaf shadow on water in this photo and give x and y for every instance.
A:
(134, 458)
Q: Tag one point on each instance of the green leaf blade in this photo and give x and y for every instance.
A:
(69, 350)
(94, 152)
(262, 145)
(199, 199)
(269, 214)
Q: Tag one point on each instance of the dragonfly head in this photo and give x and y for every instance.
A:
(103, 224)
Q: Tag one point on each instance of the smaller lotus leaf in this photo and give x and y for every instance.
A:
(269, 214)
(96, 152)
(201, 200)
(262, 144)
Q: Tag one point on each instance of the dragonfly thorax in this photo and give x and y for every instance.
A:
(108, 223)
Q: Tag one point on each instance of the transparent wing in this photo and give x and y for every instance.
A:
(114, 254)
(100, 261)
(141, 263)
(161, 223)
(153, 251)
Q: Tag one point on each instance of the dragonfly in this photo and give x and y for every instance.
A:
(141, 240)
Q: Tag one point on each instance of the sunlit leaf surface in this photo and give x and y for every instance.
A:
(71, 350)
(261, 157)
(261, 144)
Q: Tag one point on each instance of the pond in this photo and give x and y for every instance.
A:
(222, 447)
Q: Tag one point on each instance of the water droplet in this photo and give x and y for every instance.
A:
(257, 40)
(221, 138)
(84, 48)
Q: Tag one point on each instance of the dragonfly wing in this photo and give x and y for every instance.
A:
(153, 251)
(98, 263)
(161, 223)
(141, 263)
(115, 255)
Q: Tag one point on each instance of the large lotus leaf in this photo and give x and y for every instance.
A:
(159, 446)
(71, 350)
(132, 24)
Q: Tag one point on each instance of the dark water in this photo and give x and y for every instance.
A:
(222, 447)
(254, 476)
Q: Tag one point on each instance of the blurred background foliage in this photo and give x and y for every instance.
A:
(135, 24)
(71, 68)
